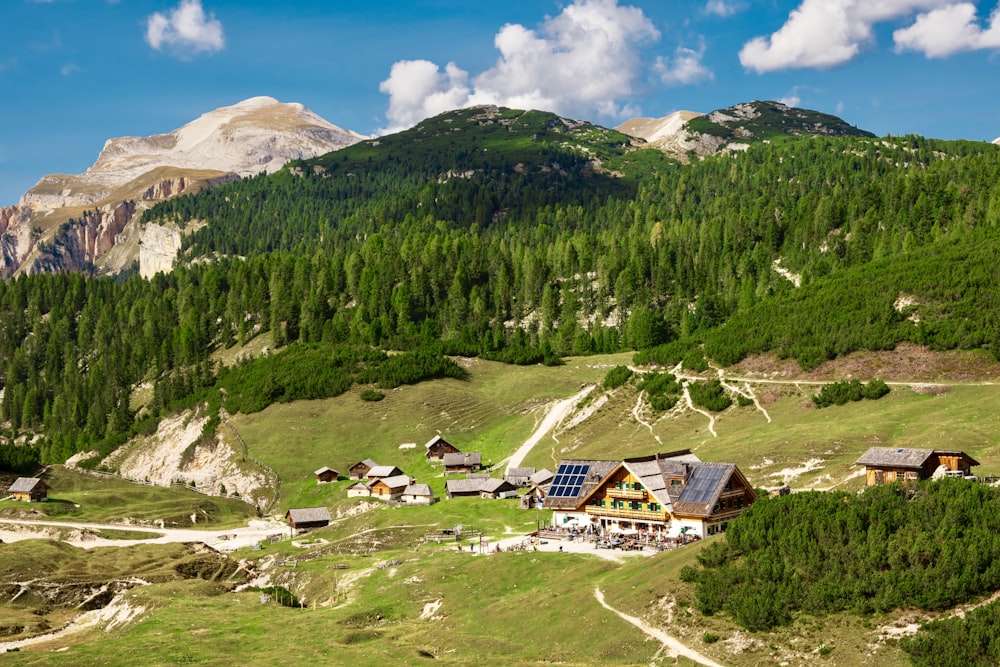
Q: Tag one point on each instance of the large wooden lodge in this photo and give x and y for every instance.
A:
(662, 495)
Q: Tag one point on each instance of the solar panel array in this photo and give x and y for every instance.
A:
(703, 482)
(568, 480)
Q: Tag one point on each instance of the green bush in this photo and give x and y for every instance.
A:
(372, 395)
(617, 376)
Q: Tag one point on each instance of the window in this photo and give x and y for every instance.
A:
(637, 486)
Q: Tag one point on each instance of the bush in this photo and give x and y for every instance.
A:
(710, 638)
(617, 376)
(839, 393)
(710, 395)
(372, 395)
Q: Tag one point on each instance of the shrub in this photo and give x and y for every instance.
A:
(617, 376)
(710, 638)
(710, 395)
(372, 395)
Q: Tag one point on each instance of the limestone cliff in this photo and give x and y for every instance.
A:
(82, 222)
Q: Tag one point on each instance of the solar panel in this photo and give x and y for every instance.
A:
(703, 482)
(568, 480)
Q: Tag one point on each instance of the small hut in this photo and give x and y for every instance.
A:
(437, 447)
(29, 489)
(358, 490)
(497, 488)
(462, 462)
(390, 488)
(418, 494)
(307, 517)
(360, 469)
(519, 476)
(325, 474)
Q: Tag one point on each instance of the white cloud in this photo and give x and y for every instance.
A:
(723, 8)
(792, 100)
(584, 60)
(186, 31)
(840, 108)
(70, 69)
(947, 30)
(823, 33)
(686, 67)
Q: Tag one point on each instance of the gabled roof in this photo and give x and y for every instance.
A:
(496, 485)
(463, 459)
(903, 457)
(596, 472)
(542, 476)
(437, 439)
(464, 485)
(418, 490)
(325, 469)
(520, 472)
(367, 463)
(394, 482)
(26, 485)
(703, 488)
(358, 484)
(383, 471)
(309, 515)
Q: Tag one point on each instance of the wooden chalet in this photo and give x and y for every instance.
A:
(360, 469)
(381, 472)
(519, 476)
(29, 489)
(437, 447)
(455, 488)
(885, 465)
(462, 462)
(390, 488)
(541, 478)
(418, 494)
(497, 488)
(325, 474)
(307, 518)
(358, 490)
(662, 495)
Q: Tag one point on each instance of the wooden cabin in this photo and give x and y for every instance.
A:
(418, 494)
(360, 469)
(390, 488)
(497, 488)
(382, 472)
(324, 475)
(462, 462)
(29, 490)
(519, 476)
(307, 518)
(455, 488)
(437, 447)
(885, 465)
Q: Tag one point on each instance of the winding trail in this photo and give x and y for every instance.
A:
(672, 644)
(691, 406)
(553, 418)
(636, 409)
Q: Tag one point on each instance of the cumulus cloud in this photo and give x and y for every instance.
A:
(823, 33)
(187, 30)
(582, 61)
(792, 100)
(685, 67)
(947, 30)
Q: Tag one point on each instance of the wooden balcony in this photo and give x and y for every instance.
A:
(734, 493)
(616, 513)
(627, 494)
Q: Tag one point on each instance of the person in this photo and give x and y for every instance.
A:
(560, 547)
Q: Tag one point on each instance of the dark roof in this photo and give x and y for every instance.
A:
(309, 515)
(703, 488)
(895, 457)
(496, 485)
(464, 485)
(26, 485)
(462, 459)
(596, 472)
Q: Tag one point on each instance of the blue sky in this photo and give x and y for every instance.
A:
(77, 72)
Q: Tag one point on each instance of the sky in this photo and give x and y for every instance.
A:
(78, 72)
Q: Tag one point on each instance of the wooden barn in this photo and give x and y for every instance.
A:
(29, 489)
(360, 469)
(437, 447)
(390, 488)
(381, 472)
(885, 465)
(307, 518)
(519, 476)
(462, 462)
(325, 474)
(455, 488)
(497, 488)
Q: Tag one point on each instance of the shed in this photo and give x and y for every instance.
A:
(497, 488)
(418, 494)
(325, 474)
(519, 476)
(360, 469)
(358, 490)
(542, 477)
(29, 489)
(308, 517)
(437, 447)
(390, 488)
(462, 462)
(884, 465)
(463, 487)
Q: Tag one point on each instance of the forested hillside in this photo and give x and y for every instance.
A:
(522, 237)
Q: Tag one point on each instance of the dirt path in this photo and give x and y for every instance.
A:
(221, 539)
(556, 414)
(673, 645)
(709, 415)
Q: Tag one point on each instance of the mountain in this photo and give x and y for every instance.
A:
(74, 222)
(685, 133)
